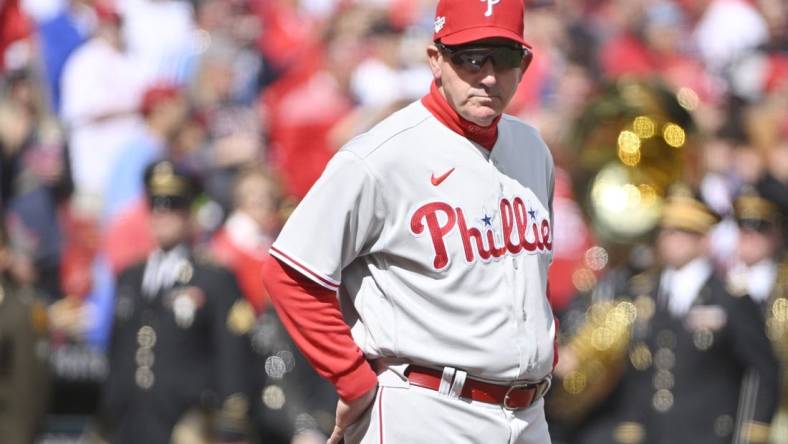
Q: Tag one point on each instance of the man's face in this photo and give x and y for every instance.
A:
(173, 113)
(257, 198)
(677, 248)
(478, 95)
(169, 227)
(755, 246)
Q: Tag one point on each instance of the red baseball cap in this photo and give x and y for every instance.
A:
(157, 93)
(463, 21)
(107, 13)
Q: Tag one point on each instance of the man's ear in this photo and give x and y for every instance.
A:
(434, 58)
(526, 62)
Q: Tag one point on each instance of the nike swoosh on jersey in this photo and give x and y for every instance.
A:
(437, 180)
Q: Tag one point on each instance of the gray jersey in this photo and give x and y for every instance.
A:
(438, 248)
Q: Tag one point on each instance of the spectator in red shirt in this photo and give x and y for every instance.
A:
(307, 122)
(14, 27)
(242, 243)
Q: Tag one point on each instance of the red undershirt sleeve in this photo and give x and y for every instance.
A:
(312, 316)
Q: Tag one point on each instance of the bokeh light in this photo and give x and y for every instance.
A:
(674, 135)
(644, 127)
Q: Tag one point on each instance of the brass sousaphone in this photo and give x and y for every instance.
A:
(630, 144)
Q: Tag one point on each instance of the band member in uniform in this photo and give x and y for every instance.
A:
(699, 366)
(761, 272)
(177, 343)
(759, 248)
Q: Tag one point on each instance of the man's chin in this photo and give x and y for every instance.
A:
(482, 116)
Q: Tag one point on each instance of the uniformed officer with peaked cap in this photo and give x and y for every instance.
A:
(760, 271)
(700, 367)
(177, 341)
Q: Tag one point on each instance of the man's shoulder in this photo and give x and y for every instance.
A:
(512, 123)
(524, 135)
(388, 131)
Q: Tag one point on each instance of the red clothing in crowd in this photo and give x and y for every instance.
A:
(626, 54)
(81, 243)
(300, 120)
(128, 238)
(14, 26)
(776, 76)
(287, 31)
(571, 240)
(237, 249)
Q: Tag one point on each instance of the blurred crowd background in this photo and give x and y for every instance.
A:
(254, 96)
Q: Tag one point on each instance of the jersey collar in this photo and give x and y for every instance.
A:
(440, 108)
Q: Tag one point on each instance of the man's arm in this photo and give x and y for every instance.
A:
(754, 350)
(312, 317)
(340, 219)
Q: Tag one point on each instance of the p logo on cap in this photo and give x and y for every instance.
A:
(463, 21)
(490, 4)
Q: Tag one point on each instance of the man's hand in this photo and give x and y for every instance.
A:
(348, 413)
(308, 437)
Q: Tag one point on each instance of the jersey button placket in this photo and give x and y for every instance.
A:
(519, 315)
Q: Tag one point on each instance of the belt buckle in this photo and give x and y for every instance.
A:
(543, 387)
(506, 396)
(540, 389)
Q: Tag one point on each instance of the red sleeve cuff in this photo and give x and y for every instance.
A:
(358, 381)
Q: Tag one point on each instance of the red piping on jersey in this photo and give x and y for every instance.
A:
(555, 320)
(311, 315)
(380, 414)
(440, 108)
(323, 281)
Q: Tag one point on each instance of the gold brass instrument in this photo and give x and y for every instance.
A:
(777, 330)
(597, 347)
(632, 143)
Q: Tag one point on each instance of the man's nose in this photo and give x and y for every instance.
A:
(487, 75)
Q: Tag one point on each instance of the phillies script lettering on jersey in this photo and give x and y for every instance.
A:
(440, 218)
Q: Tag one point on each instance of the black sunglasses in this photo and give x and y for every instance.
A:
(759, 225)
(473, 57)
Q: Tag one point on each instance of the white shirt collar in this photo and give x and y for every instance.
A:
(758, 279)
(683, 285)
(162, 268)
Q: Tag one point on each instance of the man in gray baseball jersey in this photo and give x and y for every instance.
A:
(413, 275)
